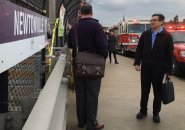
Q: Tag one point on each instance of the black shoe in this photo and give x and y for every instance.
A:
(156, 118)
(141, 115)
(116, 62)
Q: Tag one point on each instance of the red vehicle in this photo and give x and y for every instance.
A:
(128, 34)
(178, 33)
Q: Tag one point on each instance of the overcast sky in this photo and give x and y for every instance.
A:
(110, 12)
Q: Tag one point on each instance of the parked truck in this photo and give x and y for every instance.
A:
(128, 33)
(177, 30)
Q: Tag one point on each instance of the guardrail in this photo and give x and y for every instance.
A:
(49, 112)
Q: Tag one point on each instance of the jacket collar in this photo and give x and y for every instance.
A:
(160, 30)
(84, 19)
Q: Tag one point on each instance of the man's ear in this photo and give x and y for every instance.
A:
(162, 23)
(79, 14)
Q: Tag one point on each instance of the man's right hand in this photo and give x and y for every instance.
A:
(137, 67)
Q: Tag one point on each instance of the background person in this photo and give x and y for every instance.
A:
(112, 40)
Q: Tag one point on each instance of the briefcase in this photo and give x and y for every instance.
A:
(168, 94)
(89, 65)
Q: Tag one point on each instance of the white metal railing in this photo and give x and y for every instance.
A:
(49, 112)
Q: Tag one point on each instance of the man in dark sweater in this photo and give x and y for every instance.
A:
(91, 39)
(154, 53)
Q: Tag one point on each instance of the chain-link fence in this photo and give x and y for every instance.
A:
(23, 80)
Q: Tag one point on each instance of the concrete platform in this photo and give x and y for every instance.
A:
(119, 102)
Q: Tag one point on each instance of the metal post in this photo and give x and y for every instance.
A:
(52, 13)
(52, 10)
(43, 53)
(4, 92)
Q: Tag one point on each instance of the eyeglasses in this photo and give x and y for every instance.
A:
(154, 20)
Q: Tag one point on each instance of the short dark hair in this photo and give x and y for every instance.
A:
(86, 9)
(161, 16)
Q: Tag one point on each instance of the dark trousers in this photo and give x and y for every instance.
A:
(87, 92)
(151, 75)
(110, 56)
(59, 42)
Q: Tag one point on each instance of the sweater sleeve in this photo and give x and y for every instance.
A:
(139, 51)
(69, 42)
(169, 56)
(101, 41)
(72, 37)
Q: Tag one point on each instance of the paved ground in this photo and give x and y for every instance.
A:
(119, 102)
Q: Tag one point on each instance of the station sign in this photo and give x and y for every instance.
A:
(17, 23)
(22, 34)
